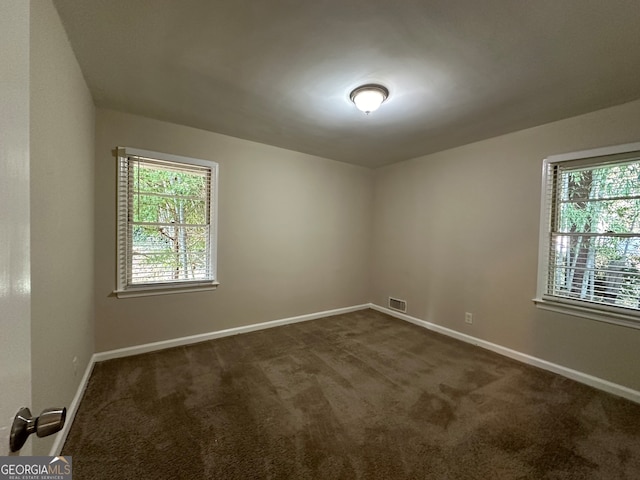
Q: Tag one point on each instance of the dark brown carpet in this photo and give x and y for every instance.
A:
(357, 396)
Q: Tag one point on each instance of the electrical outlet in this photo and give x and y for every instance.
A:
(75, 366)
(468, 318)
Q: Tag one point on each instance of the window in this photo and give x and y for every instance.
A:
(166, 223)
(590, 235)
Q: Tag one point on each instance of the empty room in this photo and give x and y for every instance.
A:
(321, 240)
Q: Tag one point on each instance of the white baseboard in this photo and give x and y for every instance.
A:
(61, 437)
(177, 342)
(581, 377)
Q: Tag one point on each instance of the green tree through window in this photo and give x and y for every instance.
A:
(593, 217)
(166, 235)
(597, 252)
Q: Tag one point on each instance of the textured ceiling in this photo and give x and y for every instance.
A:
(280, 71)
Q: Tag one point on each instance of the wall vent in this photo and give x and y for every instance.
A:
(397, 304)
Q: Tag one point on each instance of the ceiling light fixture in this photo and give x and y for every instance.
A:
(368, 98)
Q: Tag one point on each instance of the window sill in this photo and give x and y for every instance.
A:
(601, 314)
(150, 290)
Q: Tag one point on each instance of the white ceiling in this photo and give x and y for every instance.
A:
(280, 71)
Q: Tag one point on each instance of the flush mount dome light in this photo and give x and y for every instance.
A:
(368, 98)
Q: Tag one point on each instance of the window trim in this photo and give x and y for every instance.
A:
(605, 313)
(123, 290)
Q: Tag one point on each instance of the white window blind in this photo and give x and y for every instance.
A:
(166, 221)
(590, 232)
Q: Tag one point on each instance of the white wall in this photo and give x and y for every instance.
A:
(62, 243)
(457, 231)
(293, 235)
